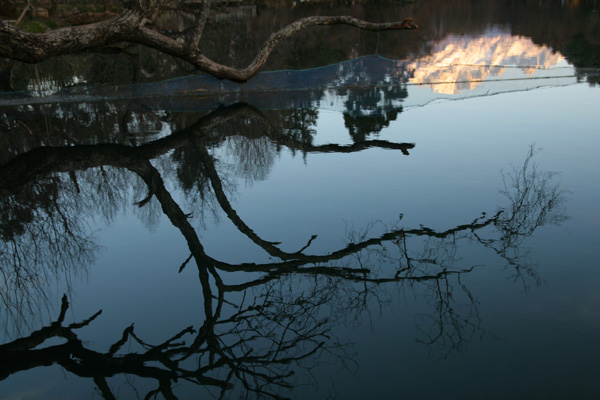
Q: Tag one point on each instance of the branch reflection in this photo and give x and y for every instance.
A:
(279, 322)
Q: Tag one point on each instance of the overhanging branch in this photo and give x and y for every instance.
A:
(130, 27)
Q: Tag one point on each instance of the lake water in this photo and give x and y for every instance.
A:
(415, 226)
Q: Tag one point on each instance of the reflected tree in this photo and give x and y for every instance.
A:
(534, 201)
(258, 333)
(26, 127)
(42, 235)
(368, 112)
(361, 126)
(24, 204)
(301, 124)
(249, 351)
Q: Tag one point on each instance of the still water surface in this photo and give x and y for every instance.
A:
(399, 228)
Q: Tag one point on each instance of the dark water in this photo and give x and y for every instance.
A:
(417, 221)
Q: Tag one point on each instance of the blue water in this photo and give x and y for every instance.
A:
(506, 308)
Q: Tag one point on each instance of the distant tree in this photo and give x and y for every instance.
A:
(137, 24)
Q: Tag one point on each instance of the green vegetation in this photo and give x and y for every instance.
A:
(52, 24)
(40, 25)
(36, 26)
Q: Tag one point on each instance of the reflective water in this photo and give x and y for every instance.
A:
(420, 228)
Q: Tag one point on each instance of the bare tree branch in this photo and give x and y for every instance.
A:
(130, 26)
(201, 19)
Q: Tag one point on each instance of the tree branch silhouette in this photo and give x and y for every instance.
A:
(289, 322)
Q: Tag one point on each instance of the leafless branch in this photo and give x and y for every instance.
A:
(131, 26)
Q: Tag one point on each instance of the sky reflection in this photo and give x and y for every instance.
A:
(459, 63)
